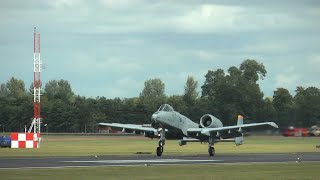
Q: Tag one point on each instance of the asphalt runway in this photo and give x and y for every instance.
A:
(61, 162)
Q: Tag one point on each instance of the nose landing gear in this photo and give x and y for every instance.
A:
(159, 150)
(161, 143)
(211, 149)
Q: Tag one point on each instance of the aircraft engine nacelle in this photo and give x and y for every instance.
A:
(210, 121)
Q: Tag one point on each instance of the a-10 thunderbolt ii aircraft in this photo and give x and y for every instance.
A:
(210, 129)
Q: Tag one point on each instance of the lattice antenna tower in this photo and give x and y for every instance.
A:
(36, 122)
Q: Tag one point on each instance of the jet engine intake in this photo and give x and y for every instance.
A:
(210, 121)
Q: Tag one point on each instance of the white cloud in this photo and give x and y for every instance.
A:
(205, 18)
(212, 18)
(175, 81)
(205, 55)
(86, 63)
(313, 67)
(123, 87)
(267, 47)
(125, 42)
(315, 61)
(114, 16)
(288, 79)
(65, 3)
(117, 65)
(120, 4)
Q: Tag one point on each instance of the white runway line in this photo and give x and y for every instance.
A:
(144, 161)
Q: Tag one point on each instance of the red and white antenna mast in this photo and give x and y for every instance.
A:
(36, 122)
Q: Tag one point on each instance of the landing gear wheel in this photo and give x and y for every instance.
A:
(211, 151)
(159, 151)
(161, 142)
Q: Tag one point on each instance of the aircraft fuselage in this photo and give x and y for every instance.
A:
(173, 119)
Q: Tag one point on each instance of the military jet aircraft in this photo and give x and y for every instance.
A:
(210, 129)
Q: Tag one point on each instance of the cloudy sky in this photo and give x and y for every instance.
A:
(110, 47)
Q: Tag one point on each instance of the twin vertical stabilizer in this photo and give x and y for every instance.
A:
(239, 140)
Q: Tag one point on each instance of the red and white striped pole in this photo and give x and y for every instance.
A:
(36, 84)
(32, 139)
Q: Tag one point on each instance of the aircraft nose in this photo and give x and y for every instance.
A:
(154, 117)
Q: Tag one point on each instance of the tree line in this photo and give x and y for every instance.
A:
(224, 94)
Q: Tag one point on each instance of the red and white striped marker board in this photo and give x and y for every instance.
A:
(25, 140)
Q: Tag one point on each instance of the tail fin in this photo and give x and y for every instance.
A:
(240, 120)
(239, 140)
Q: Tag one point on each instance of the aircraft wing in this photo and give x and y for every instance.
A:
(130, 126)
(208, 131)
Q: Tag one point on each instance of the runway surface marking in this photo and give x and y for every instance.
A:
(64, 162)
(143, 161)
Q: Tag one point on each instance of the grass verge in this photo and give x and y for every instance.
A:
(130, 145)
(215, 171)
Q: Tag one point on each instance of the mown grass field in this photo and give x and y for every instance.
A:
(55, 145)
(185, 172)
(130, 145)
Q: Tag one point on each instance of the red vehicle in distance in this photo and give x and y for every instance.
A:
(296, 132)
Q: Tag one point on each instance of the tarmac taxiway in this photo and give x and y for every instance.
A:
(61, 162)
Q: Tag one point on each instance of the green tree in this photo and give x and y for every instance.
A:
(236, 92)
(4, 92)
(190, 91)
(214, 81)
(307, 106)
(252, 70)
(268, 111)
(152, 95)
(60, 89)
(15, 105)
(60, 116)
(16, 88)
(283, 104)
(216, 89)
(60, 112)
(84, 109)
(176, 102)
(252, 97)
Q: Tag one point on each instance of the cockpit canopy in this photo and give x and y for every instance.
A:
(165, 107)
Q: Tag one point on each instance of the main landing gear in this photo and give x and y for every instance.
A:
(211, 150)
(162, 141)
